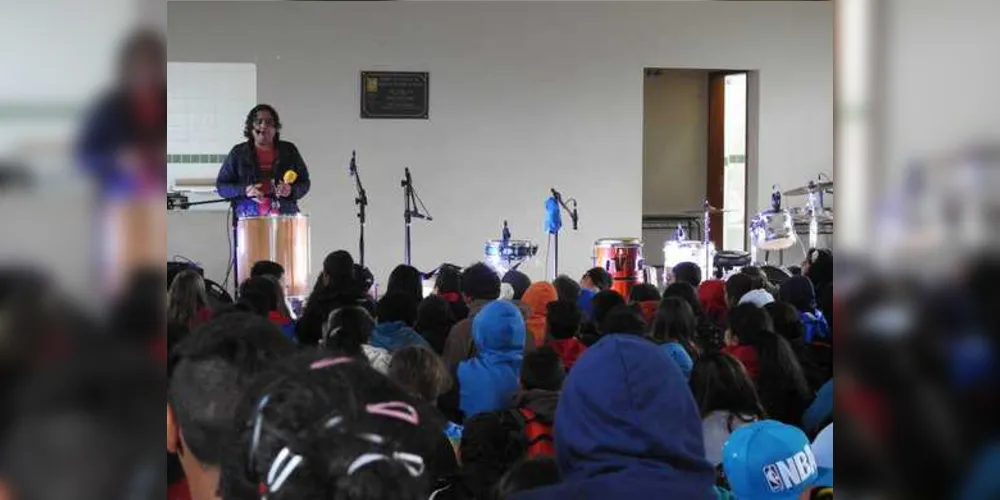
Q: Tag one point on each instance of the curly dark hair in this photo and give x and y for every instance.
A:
(321, 426)
(248, 123)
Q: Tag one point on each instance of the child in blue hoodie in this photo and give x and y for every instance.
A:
(397, 313)
(488, 380)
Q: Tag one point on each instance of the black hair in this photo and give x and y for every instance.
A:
(434, 321)
(542, 369)
(337, 429)
(187, 297)
(527, 475)
(737, 286)
(262, 292)
(759, 277)
(623, 319)
(799, 292)
(267, 268)
(364, 277)
(687, 293)
(643, 292)
(720, 382)
(397, 306)
(675, 322)
(603, 302)
(786, 320)
(347, 329)
(138, 315)
(563, 319)
(420, 372)
(309, 327)
(211, 368)
(252, 115)
(449, 279)
(820, 266)
(600, 277)
(406, 279)
(567, 288)
(479, 282)
(338, 265)
(746, 321)
(491, 444)
(687, 272)
(781, 381)
(518, 281)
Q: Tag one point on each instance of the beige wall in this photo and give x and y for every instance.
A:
(674, 141)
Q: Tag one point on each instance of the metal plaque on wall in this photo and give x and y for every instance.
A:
(395, 94)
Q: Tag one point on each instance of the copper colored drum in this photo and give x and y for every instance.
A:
(622, 258)
(280, 238)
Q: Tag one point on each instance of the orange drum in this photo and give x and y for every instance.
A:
(280, 238)
(622, 258)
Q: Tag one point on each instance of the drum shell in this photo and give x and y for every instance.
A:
(676, 252)
(773, 230)
(622, 258)
(280, 238)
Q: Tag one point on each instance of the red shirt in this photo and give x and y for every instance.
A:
(747, 355)
(265, 159)
(569, 350)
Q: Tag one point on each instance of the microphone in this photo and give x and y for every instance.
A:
(505, 234)
(290, 177)
(556, 195)
(775, 198)
(353, 168)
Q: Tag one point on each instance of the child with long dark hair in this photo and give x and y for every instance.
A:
(771, 363)
(674, 328)
(726, 398)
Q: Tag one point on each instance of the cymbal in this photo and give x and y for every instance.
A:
(812, 187)
(711, 211)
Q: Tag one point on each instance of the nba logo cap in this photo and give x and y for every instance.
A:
(769, 460)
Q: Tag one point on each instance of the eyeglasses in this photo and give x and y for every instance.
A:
(264, 121)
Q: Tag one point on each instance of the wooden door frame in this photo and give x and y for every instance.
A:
(716, 173)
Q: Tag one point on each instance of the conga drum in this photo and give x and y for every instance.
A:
(622, 258)
(280, 238)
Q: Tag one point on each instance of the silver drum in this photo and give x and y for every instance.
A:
(773, 230)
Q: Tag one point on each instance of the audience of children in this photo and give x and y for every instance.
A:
(460, 395)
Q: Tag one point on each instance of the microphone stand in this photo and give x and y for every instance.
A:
(232, 211)
(574, 217)
(410, 202)
(362, 202)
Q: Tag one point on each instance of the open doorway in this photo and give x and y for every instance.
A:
(694, 149)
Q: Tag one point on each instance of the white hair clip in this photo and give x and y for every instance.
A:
(414, 463)
(284, 464)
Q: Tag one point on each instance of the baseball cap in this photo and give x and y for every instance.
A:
(769, 460)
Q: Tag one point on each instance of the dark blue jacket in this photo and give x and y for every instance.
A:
(241, 170)
(395, 335)
(627, 427)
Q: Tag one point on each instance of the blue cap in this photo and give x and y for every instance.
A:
(769, 460)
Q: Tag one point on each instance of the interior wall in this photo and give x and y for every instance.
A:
(675, 141)
(524, 96)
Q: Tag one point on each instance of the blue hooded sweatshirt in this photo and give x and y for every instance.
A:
(395, 335)
(628, 427)
(487, 381)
